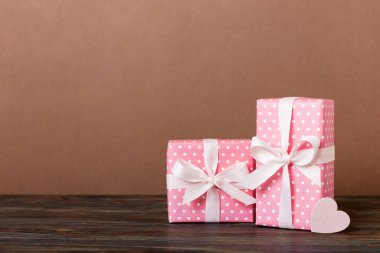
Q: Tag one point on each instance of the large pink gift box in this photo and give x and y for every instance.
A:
(229, 153)
(310, 117)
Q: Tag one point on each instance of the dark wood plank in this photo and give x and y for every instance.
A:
(139, 224)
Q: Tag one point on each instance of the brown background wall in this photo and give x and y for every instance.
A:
(91, 91)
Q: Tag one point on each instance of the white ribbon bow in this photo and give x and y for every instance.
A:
(273, 159)
(197, 182)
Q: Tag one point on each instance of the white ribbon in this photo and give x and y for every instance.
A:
(187, 176)
(273, 159)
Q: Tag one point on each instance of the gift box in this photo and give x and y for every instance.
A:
(294, 152)
(202, 178)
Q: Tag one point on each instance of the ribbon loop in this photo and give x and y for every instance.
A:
(305, 156)
(189, 172)
(262, 151)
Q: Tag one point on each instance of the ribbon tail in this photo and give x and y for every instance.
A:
(195, 192)
(212, 211)
(260, 175)
(312, 172)
(236, 193)
(285, 217)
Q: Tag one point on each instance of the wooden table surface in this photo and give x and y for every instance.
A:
(139, 224)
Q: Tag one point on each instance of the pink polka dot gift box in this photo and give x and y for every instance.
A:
(203, 179)
(294, 153)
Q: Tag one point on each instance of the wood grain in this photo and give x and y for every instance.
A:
(139, 224)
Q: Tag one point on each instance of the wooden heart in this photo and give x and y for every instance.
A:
(326, 218)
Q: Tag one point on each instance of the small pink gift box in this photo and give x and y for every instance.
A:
(286, 196)
(186, 158)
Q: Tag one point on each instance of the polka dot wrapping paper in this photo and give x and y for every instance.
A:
(310, 117)
(229, 152)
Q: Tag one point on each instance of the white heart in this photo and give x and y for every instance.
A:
(326, 218)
